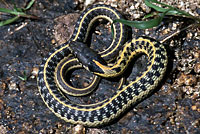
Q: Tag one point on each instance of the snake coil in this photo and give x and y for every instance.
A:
(129, 94)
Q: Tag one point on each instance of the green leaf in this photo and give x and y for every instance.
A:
(157, 8)
(17, 9)
(140, 24)
(150, 15)
(173, 10)
(21, 14)
(148, 3)
(24, 78)
(4, 10)
(143, 24)
(18, 12)
(8, 21)
(30, 4)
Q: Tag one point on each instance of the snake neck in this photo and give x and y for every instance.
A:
(130, 50)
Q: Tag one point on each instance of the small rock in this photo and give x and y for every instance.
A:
(196, 123)
(2, 88)
(3, 130)
(34, 72)
(194, 107)
(174, 26)
(190, 80)
(187, 79)
(145, 8)
(88, 2)
(22, 86)
(189, 35)
(85, 84)
(22, 132)
(197, 68)
(79, 129)
(166, 31)
(53, 41)
(198, 10)
(193, 7)
(188, 89)
(1, 104)
(2, 85)
(124, 131)
(196, 54)
(13, 86)
(97, 131)
(196, 95)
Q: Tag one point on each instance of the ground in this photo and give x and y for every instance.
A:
(174, 107)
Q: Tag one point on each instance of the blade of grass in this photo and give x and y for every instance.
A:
(140, 24)
(18, 12)
(4, 10)
(143, 24)
(8, 21)
(157, 8)
(148, 2)
(174, 11)
(29, 4)
(150, 15)
(17, 9)
(24, 77)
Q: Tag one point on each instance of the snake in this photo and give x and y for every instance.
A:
(128, 94)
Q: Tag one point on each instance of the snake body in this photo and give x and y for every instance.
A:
(129, 94)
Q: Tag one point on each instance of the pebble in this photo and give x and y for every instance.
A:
(194, 107)
(79, 129)
(22, 86)
(97, 131)
(3, 130)
(186, 79)
(189, 35)
(196, 54)
(198, 11)
(2, 85)
(34, 72)
(196, 123)
(88, 2)
(188, 89)
(13, 86)
(1, 104)
(2, 88)
(145, 8)
(196, 95)
(22, 132)
(174, 26)
(197, 68)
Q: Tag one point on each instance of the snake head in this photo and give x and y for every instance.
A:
(87, 57)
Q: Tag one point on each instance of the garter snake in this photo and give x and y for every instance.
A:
(129, 94)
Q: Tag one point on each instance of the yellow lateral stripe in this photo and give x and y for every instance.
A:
(93, 10)
(110, 20)
(79, 89)
(119, 61)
